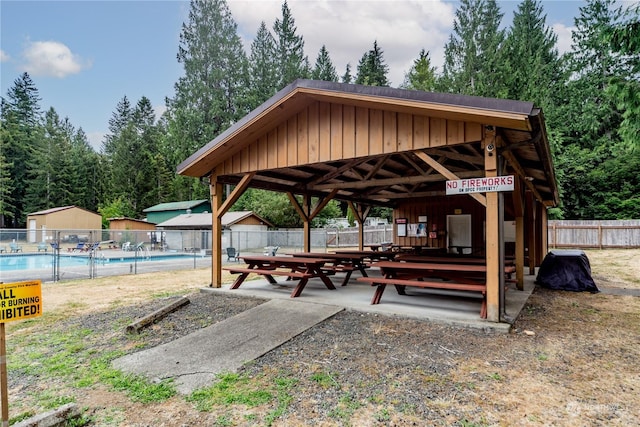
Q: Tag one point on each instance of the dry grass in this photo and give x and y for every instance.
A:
(577, 365)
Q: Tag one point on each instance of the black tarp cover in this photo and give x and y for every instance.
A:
(567, 270)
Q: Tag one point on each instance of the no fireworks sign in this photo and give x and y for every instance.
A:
(20, 300)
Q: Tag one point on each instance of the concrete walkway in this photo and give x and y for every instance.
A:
(193, 361)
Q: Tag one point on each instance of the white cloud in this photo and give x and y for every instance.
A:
(51, 58)
(95, 140)
(349, 28)
(159, 110)
(4, 56)
(564, 37)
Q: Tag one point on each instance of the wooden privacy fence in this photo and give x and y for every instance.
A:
(594, 234)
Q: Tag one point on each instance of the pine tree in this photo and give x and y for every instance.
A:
(263, 68)
(6, 181)
(21, 122)
(535, 68)
(421, 76)
(624, 39)
(372, 70)
(292, 63)
(324, 68)
(347, 77)
(473, 55)
(212, 94)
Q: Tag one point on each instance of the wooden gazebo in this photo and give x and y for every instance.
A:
(378, 146)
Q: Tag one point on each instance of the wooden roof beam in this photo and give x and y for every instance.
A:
(448, 174)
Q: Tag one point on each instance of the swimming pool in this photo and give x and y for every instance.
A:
(42, 261)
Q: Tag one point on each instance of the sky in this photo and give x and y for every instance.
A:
(85, 56)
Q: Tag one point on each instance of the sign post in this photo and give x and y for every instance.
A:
(18, 301)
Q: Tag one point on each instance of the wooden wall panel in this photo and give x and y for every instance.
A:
(455, 132)
(375, 132)
(262, 153)
(473, 132)
(313, 128)
(303, 138)
(324, 132)
(292, 139)
(244, 159)
(436, 210)
(362, 131)
(348, 131)
(337, 125)
(437, 132)
(405, 132)
(389, 132)
(282, 144)
(272, 149)
(420, 132)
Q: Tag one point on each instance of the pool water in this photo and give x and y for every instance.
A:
(35, 261)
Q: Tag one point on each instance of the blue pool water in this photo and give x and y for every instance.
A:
(33, 262)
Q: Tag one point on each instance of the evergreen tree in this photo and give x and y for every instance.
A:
(324, 69)
(49, 184)
(6, 181)
(87, 182)
(347, 77)
(592, 121)
(372, 70)
(134, 155)
(263, 67)
(592, 146)
(624, 38)
(532, 57)
(292, 63)
(474, 61)
(212, 94)
(421, 76)
(21, 122)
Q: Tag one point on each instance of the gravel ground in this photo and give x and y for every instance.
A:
(364, 369)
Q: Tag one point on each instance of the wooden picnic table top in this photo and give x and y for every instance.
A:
(330, 256)
(282, 260)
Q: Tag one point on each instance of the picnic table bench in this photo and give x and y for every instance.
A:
(458, 277)
(295, 267)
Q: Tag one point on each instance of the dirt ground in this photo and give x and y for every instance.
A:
(571, 359)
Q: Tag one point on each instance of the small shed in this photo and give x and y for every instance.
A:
(125, 229)
(74, 223)
(165, 211)
(245, 226)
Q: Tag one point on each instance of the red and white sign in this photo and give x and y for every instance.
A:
(480, 185)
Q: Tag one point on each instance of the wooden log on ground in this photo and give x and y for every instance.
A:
(156, 315)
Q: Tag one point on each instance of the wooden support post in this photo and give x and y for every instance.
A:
(518, 203)
(531, 228)
(216, 190)
(492, 231)
(306, 207)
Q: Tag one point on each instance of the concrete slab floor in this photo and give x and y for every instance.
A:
(446, 307)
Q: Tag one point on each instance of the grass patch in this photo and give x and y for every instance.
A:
(231, 389)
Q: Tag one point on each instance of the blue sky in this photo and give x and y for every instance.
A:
(84, 56)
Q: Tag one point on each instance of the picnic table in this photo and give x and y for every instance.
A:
(457, 277)
(296, 268)
(339, 262)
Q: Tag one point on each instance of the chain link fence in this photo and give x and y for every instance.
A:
(54, 255)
